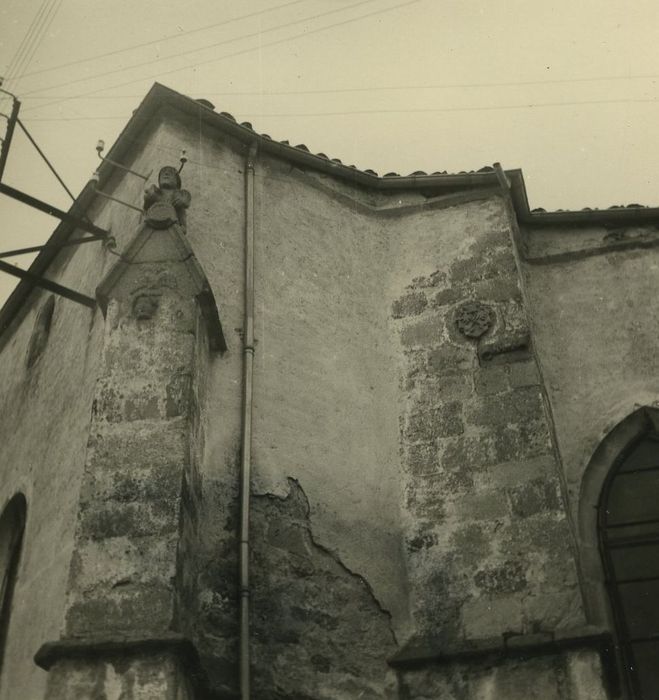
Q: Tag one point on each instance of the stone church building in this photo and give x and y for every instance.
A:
(320, 434)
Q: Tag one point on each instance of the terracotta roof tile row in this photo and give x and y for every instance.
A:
(541, 210)
(303, 147)
(416, 173)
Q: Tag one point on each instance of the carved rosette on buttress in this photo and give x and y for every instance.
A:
(474, 319)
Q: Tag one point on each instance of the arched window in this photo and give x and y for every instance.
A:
(12, 524)
(629, 544)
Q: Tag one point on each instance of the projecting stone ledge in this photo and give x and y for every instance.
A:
(166, 667)
(563, 664)
(421, 651)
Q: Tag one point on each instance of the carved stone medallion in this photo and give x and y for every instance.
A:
(474, 319)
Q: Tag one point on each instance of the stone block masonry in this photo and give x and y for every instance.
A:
(131, 595)
(138, 452)
(488, 544)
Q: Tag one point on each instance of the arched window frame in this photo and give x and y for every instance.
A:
(12, 527)
(608, 455)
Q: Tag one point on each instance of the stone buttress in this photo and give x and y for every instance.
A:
(490, 551)
(131, 583)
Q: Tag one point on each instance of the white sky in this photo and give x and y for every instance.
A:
(565, 90)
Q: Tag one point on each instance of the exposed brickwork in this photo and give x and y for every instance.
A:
(317, 629)
(487, 539)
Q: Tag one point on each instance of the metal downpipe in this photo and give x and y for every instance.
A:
(246, 447)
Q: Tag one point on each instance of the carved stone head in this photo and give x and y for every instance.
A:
(169, 179)
(144, 307)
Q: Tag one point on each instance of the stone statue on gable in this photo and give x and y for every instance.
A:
(165, 203)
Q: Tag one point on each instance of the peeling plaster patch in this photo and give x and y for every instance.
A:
(295, 485)
(317, 629)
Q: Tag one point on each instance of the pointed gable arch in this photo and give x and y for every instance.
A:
(169, 247)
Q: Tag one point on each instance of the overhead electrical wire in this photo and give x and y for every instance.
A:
(22, 47)
(350, 89)
(170, 37)
(31, 42)
(372, 88)
(236, 53)
(71, 119)
(483, 108)
(28, 46)
(45, 26)
(20, 52)
(32, 45)
(197, 49)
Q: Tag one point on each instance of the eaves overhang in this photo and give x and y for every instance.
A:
(161, 98)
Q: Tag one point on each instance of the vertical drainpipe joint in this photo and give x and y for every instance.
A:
(246, 439)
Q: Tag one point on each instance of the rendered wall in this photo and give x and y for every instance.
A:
(405, 488)
(335, 267)
(595, 312)
(592, 294)
(326, 497)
